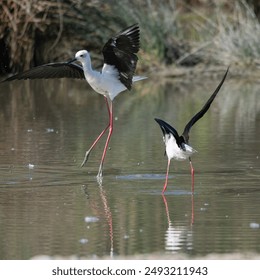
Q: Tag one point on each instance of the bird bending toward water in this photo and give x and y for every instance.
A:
(117, 75)
(177, 147)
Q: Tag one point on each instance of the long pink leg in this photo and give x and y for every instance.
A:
(98, 138)
(99, 175)
(192, 176)
(166, 178)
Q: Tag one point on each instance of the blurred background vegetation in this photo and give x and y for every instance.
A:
(180, 33)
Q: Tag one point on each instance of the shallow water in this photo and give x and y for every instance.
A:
(51, 206)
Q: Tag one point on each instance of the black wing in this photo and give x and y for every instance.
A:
(168, 129)
(201, 113)
(120, 51)
(51, 70)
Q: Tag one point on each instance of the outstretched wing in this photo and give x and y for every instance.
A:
(51, 70)
(120, 52)
(168, 129)
(201, 113)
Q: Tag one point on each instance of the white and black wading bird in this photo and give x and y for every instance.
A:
(177, 147)
(117, 75)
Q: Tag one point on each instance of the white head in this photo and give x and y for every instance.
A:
(82, 56)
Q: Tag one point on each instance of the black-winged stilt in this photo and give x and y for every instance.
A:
(117, 74)
(177, 147)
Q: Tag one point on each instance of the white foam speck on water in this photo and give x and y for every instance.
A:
(50, 130)
(83, 240)
(91, 219)
(254, 225)
(31, 166)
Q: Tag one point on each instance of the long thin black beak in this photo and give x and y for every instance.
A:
(72, 60)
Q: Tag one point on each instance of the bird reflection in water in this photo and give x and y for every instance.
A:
(108, 216)
(178, 236)
(107, 212)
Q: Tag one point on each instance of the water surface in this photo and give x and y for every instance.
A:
(51, 206)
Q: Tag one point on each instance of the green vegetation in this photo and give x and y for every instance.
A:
(183, 33)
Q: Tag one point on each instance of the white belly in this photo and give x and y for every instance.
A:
(106, 84)
(173, 150)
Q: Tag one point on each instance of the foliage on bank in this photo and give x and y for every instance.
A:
(173, 32)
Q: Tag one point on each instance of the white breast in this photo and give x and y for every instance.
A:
(111, 82)
(105, 83)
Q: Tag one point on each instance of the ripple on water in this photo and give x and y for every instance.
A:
(146, 176)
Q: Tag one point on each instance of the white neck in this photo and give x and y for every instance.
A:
(87, 67)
